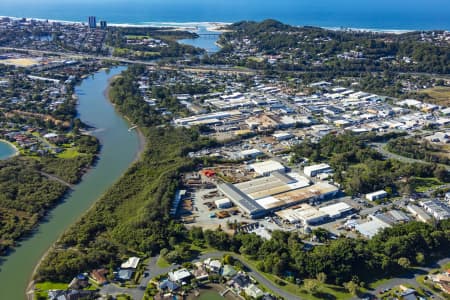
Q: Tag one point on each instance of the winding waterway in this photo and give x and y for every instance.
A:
(119, 149)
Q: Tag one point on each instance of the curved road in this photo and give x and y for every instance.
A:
(411, 279)
(154, 270)
(380, 147)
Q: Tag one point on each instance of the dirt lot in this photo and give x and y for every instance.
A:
(439, 95)
(20, 62)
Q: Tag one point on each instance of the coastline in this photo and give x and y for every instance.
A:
(215, 26)
(16, 151)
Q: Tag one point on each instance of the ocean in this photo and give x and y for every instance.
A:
(364, 14)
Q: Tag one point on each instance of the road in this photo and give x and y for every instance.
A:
(152, 267)
(380, 147)
(75, 56)
(56, 178)
(410, 278)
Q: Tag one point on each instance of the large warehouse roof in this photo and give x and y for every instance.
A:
(274, 184)
(305, 213)
(336, 210)
(267, 167)
(240, 198)
(369, 229)
(292, 197)
(275, 192)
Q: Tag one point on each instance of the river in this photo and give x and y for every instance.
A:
(207, 39)
(119, 149)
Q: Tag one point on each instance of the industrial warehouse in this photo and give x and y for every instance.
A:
(275, 192)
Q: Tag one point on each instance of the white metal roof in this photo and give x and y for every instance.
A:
(369, 229)
(336, 210)
(267, 167)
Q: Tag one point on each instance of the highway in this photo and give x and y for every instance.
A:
(197, 68)
(79, 56)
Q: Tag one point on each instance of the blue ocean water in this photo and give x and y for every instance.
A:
(369, 14)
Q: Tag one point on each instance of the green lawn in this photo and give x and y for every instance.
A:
(47, 285)
(43, 288)
(69, 153)
(256, 59)
(123, 297)
(162, 263)
(375, 284)
(202, 250)
(424, 184)
(137, 37)
(209, 295)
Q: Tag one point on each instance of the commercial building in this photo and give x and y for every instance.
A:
(223, 203)
(398, 216)
(282, 136)
(438, 209)
(275, 192)
(103, 25)
(316, 192)
(208, 119)
(92, 22)
(274, 184)
(313, 170)
(305, 214)
(266, 167)
(337, 210)
(376, 195)
(251, 153)
(418, 213)
(179, 196)
(369, 229)
(244, 202)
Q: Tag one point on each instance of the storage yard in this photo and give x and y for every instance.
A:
(266, 195)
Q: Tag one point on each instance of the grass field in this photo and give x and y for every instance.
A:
(439, 95)
(254, 58)
(162, 263)
(138, 37)
(424, 184)
(43, 288)
(69, 153)
(47, 285)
